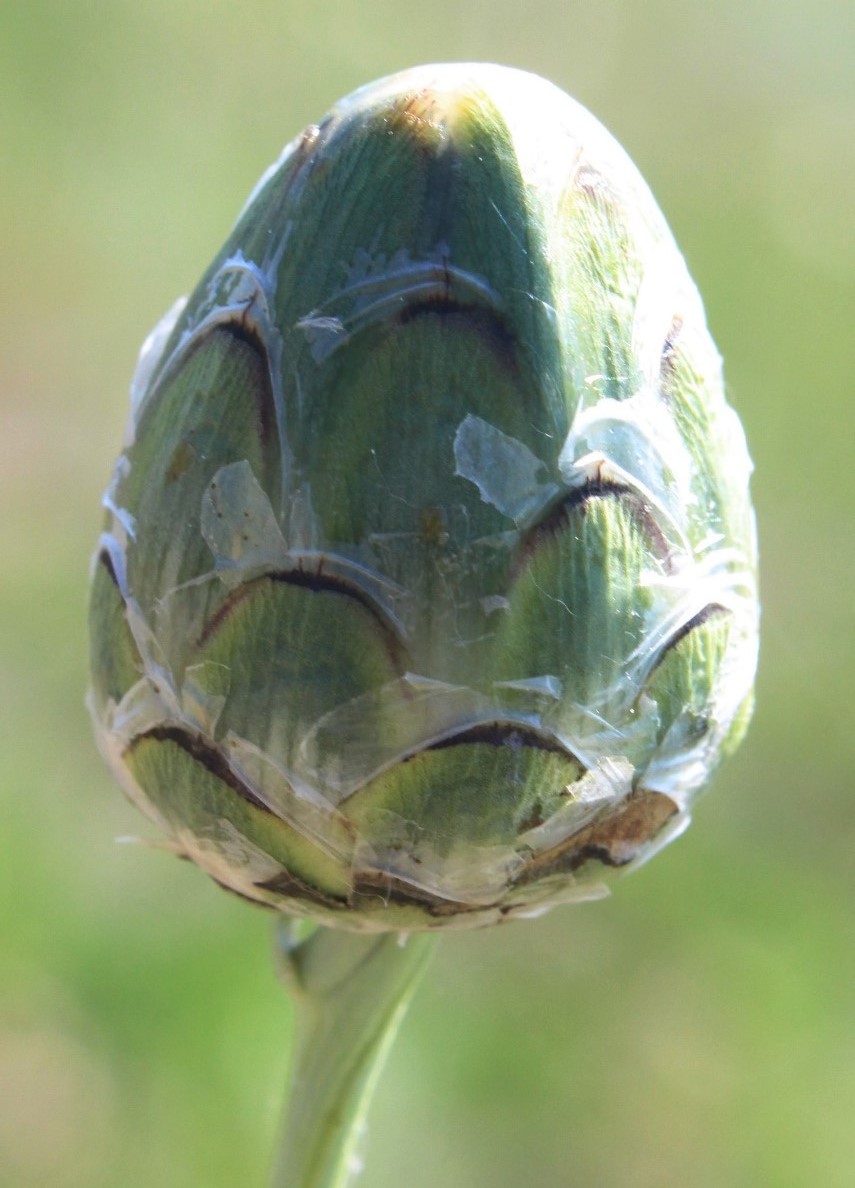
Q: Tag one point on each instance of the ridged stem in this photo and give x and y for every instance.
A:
(350, 993)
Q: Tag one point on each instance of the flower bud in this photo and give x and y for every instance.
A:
(426, 595)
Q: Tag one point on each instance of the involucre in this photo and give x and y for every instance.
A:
(426, 595)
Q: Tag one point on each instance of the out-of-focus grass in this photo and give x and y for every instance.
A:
(695, 1029)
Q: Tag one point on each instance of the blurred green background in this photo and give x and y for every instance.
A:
(698, 1028)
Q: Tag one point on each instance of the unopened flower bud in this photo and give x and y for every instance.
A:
(426, 595)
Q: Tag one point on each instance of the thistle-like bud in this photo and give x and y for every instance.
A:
(426, 595)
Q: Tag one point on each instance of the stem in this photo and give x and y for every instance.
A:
(351, 991)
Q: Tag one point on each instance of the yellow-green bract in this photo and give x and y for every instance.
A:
(426, 594)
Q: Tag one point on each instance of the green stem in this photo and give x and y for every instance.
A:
(351, 991)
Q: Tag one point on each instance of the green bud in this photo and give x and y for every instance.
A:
(426, 595)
